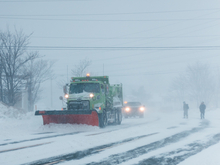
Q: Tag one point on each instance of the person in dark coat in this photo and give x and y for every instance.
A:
(202, 108)
(185, 110)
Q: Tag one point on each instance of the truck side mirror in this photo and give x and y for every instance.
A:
(61, 98)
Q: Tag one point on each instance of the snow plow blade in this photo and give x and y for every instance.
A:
(73, 117)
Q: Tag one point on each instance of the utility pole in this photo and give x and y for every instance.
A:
(103, 69)
(67, 75)
(1, 88)
(30, 94)
(51, 94)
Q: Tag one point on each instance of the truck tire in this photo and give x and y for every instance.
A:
(119, 117)
(102, 120)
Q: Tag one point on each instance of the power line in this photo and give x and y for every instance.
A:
(113, 20)
(104, 14)
(44, 0)
(121, 48)
(124, 48)
(122, 38)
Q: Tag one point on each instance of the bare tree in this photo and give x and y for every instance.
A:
(200, 82)
(1, 85)
(80, 69)
(196, 84)
(14, 56)
(38, 71)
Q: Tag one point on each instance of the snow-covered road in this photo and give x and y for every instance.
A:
(159, 138)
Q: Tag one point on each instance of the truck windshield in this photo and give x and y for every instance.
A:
(84, 87)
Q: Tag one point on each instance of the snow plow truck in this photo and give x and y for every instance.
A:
(90, 100)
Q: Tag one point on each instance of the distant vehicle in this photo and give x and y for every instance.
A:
(132, 109)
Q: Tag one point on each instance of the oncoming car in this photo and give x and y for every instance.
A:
(133, 109)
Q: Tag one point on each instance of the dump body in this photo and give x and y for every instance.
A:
(91, 101)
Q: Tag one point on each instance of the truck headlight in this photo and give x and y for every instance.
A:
(91, 95)
(66, 96)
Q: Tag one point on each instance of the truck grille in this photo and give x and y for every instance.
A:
(78, 105)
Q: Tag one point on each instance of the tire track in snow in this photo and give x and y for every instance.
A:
(14, 149)
(190, 150)
(81, 154)
(134, 153)
(40, 138)
(73, 133)
(124, 127)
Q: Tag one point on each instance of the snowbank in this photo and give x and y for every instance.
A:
(11, 112)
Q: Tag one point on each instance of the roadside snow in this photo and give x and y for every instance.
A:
(209, 156)
(15, 127)
(10, 112)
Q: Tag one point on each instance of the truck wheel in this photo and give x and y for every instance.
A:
(119, 117)
(102, 120)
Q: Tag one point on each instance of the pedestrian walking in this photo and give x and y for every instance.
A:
(202, 108)
(185, 110)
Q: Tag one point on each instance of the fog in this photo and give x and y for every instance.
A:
(142, 44)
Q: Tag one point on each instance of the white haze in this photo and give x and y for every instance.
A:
(124, 23)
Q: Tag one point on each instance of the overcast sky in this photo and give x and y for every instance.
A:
(139, 42)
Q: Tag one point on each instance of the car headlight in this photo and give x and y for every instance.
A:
(127, 109)
(66, 96)
(142, 109)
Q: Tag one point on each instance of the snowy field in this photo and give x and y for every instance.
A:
(161, 137)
